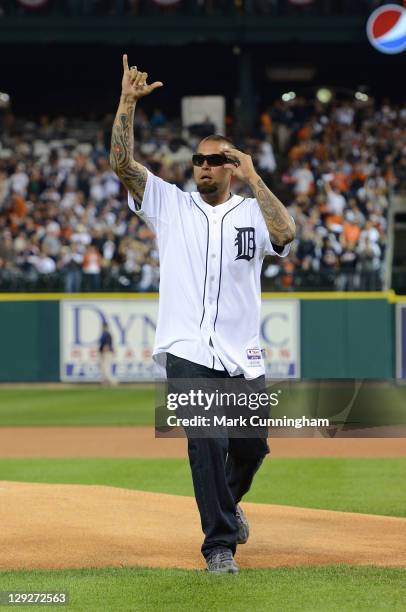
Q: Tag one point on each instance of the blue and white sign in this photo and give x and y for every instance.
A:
(280, 337)
(401, 341)
(386, 28)
(132, 325)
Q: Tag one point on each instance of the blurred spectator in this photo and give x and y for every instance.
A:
(71, 264)
(303, 180)
(369, 254)
(91, 269)
(400, 174)
(348, 267)
(158, 119)
(43, 263)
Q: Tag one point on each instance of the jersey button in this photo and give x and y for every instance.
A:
(213, 255)
(212, 277)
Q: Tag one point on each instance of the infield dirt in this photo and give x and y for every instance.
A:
(140, 442)
(75, 526)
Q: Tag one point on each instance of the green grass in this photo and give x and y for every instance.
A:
(374, 486)
(361, 485)
(135, 405)
(305, 589)
(104, 406)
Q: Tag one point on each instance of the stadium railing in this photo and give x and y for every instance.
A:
(300, 280)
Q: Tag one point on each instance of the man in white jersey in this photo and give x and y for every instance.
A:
(211, 246)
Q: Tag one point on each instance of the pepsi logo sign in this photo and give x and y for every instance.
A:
(386, 28)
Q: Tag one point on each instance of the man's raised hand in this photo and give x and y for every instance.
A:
(134, 84)
(243, 168)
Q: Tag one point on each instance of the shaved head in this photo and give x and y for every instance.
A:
(218, 138)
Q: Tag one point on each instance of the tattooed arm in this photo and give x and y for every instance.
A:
(133, 174)
(281, 226)
(133, 87)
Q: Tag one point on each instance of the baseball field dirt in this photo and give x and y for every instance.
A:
(47, 526)
(140, 442)
(76, 526)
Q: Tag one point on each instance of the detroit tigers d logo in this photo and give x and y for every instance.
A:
(245, 243)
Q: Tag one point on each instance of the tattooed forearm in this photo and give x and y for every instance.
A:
(133, 174)
(280, 225)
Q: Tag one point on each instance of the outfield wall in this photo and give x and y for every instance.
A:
(340, 335)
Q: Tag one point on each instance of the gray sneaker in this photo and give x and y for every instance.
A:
(221, 561)
(244, 528)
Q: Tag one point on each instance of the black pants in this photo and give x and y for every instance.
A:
(222, 468)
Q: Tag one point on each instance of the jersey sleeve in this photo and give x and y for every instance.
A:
(264, 240)
(160, 199)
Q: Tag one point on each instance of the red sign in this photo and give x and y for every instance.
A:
(33, 4)
(166, 2)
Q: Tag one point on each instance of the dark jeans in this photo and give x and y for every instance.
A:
(222, 468)
(73, 280)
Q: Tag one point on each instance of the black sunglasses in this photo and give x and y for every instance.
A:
(216, 159)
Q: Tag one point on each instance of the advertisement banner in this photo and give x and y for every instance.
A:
(386, 28)
(132, 325)
(301, 2)
(203, 112)
(280, 337)
(33, 4)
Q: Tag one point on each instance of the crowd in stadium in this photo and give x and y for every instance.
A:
(65, 224)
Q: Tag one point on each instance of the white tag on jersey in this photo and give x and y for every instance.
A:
(254, 356)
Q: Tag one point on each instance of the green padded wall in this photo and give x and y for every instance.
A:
(347, 339)
(29, 348)
(342, 338)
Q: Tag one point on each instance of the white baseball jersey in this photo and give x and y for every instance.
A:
(210, 290)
